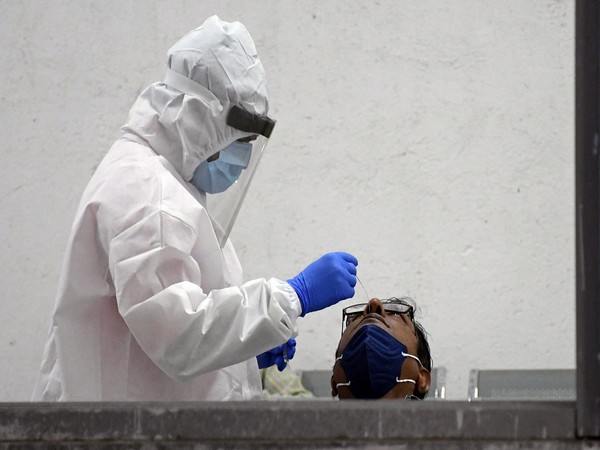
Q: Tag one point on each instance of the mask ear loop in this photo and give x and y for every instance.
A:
(408, 355)
(340, 384)
(408, 380)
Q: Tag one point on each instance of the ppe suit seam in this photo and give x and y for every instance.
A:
(162, 210)
(159, 245)
(179, 219)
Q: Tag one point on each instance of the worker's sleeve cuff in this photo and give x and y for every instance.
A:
(286, 297)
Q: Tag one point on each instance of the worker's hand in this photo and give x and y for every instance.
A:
(278, 355)
(326, 281)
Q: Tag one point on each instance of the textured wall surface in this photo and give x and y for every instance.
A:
(434, 140)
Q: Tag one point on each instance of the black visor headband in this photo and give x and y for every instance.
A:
(243, 120)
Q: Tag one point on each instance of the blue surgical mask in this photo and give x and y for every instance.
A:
(216, 176)
(372, 362)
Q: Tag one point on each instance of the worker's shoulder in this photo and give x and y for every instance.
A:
(124, 178)
(133, 181)
(130, 161)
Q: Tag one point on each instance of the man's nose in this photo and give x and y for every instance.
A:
(374, 307)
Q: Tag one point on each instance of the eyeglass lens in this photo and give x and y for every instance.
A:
(352, 312)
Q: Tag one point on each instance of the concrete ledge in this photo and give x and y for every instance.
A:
(301, 423)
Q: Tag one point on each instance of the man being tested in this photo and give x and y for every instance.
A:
(151, 303)
(383, 352)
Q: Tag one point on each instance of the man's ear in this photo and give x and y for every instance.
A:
(424, 381)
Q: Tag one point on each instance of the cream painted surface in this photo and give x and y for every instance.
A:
(434, 140)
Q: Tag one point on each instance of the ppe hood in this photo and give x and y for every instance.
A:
(214, 67)
(214, 93)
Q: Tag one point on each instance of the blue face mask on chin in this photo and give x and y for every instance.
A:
(216, 176)
(372, 361)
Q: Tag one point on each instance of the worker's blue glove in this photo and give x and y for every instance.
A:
(278, 355)
(326, 281)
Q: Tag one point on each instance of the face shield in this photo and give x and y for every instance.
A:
(225, 206)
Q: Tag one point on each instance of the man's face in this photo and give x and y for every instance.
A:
(401, 327)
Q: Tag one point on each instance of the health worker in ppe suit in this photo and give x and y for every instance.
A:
(151, 303)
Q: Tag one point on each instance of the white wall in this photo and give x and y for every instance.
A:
(432, 139)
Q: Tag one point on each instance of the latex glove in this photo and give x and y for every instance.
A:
(278, 355)
(326, 281)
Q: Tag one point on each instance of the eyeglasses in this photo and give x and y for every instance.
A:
(392, 306)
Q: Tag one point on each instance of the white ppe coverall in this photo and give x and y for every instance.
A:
(150, 306)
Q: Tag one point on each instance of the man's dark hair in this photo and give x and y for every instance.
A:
(423, 352)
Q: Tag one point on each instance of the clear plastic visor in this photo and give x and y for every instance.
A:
(225, 206)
